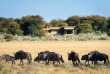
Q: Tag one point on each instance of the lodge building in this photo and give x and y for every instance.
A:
(60, 30)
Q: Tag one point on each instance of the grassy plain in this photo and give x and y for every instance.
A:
(61, 47)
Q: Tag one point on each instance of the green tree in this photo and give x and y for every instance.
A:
(31, 24)
(84, 28)
(55, 23)
(63, 24)
(73, 21)
(35, 24)
(10, 26)
(40, 32)
(14, 29)
(99, 23)
(108, 26)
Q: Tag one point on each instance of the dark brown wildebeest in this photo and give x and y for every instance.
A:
(40, 56)
(74, 57)
(97, 56)
(7, 58)
(52, 56)
(23, 55)
(49, 56)
(88, 58)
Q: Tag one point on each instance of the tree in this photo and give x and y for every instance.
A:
(35, 24)
(14, 29)
(40, 32)
(84, 28)
(10, 26)
(108, 27)
(55, 23)
(30, 24)
(73, 21)
(63, 24)
(99, 23)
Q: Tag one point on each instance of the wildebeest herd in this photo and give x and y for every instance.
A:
(47, 56)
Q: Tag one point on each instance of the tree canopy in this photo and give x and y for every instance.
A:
(33, 25)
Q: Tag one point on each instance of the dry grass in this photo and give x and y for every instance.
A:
(61, 47)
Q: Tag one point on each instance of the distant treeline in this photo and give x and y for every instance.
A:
(33, 25)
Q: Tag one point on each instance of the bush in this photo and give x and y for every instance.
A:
(8, 37)
(98, 32)
(1, 37)
(63, 24)
(84, 28)
(103, 38)
(40, 33)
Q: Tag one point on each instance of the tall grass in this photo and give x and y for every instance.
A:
(39, 68)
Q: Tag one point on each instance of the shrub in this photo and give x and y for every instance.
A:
(1, 37)
(98, 32)
(40, 33)
(8, 37)
(84, 28)
(103, 38)
(63, 24)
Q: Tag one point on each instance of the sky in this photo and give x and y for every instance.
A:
(54, 9)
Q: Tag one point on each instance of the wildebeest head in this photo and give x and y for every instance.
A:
(70, 55)
(37, 59)
(84, 57)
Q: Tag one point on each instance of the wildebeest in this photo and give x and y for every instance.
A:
(52, 56)
(7, 58)
(97, 56)
(23, 55)
(74, 57)
(49, 56)
(41, 57)
(88, 57)
(85, 57)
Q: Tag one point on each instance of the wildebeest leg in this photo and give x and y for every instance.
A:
(29, 61)
(48, 61)
(6, 61)
(92, 61)
(21, 61)
(43, 61)
(105, 61)
(95, 62)
(54, 63)
(59, 61)
(73, 62)
(14, 62)
(78, 61)
(86, 61)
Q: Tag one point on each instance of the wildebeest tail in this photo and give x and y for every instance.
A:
(62, 60)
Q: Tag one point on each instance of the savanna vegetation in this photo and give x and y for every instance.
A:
(33, 25)
(61, 47)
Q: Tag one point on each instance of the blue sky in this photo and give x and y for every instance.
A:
(54, 9)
